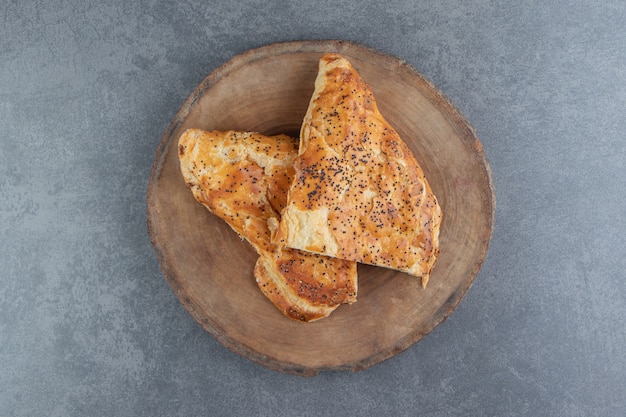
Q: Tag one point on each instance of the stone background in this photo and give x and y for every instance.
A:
(88, 325)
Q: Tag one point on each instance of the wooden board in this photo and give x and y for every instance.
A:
(210, 269)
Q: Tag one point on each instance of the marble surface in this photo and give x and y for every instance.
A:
(88, 325)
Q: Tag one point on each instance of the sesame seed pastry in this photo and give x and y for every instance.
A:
(244, 178)
(358, 193)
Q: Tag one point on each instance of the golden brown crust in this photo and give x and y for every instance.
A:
(305, 286)
(358, 192)
(244, 178)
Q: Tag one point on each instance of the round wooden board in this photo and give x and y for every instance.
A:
(210, 269)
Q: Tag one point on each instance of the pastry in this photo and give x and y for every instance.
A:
(358, 193)
(243, 178)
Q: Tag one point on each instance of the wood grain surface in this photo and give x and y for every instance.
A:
(210, 269)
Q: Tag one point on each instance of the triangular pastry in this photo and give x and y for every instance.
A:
(243, 178)
(358, 192)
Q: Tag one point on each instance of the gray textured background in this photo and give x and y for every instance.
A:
(88, 325)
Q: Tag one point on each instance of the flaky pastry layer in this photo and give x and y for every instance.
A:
(358, 192)
(244, 178)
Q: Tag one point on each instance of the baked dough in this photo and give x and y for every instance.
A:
(358, 192)
(244, 178)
